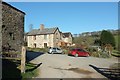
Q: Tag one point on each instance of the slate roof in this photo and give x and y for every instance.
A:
(44, 31)
(67, 34)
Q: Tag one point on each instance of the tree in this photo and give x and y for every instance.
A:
(107, 38)
(30, 27)
(97, 42)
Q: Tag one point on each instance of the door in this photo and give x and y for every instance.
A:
(45, 45)
(34, 45)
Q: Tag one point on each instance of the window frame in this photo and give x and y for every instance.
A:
(34, 37)
(45, 36)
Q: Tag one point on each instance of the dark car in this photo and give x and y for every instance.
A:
(78, 52)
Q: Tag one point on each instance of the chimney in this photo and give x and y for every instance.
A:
(41, 26)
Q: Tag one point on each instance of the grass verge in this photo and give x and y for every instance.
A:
(30, 71)
(116, 53)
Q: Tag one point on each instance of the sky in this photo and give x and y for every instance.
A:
(74, 17)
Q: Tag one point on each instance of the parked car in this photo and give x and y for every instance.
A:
(53, 50)
(78, 52)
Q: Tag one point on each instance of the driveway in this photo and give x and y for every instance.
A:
(63, 66)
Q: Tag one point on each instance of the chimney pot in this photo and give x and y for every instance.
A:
(41, 26)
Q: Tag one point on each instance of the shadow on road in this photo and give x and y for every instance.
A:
(74, 56)
(30, 55)
(112, 74)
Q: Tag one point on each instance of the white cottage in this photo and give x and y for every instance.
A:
(43, 37)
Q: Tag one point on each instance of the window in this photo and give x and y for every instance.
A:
(54, 49)
(49, 36)
(11, 36)
(58, 48)
(34, 37)
(3, 26)
(45, 45)
(56, 36)
(45, 36)
(34, 45)
(81, 50)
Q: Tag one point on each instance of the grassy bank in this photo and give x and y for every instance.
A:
(30, 71)
(116, 53)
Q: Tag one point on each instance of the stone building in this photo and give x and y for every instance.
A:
(43, 37)
(12, 28)
(48, 37)
(67, 38)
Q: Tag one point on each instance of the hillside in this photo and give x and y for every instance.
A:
(89, 40)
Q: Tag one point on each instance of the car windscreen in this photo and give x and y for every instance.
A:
(81, 50)
(54, 49)
(58, 49)
(72, 49)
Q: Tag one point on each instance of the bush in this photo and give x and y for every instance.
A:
(92, 49)
(94, 54)
(100, 54)
(104, 55)
(66, 51)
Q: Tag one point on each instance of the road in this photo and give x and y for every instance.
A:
(63, 66)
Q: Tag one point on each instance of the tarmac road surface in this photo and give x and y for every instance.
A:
(63, 66)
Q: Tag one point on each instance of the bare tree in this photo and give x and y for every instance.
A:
(30, 27)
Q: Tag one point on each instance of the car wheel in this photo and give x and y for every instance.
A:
(63, 53)
(88, 55)
(51, 52)
(76, 55)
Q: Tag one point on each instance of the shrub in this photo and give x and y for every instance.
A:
(99, 54)
(66, 51)
(94, 54)
(104, 54)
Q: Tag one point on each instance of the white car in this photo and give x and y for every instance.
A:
(53, 50)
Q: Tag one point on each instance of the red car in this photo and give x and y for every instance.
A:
(78, 52)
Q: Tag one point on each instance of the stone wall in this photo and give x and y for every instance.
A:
(0, 39)
(12, 28)
(0, 27)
